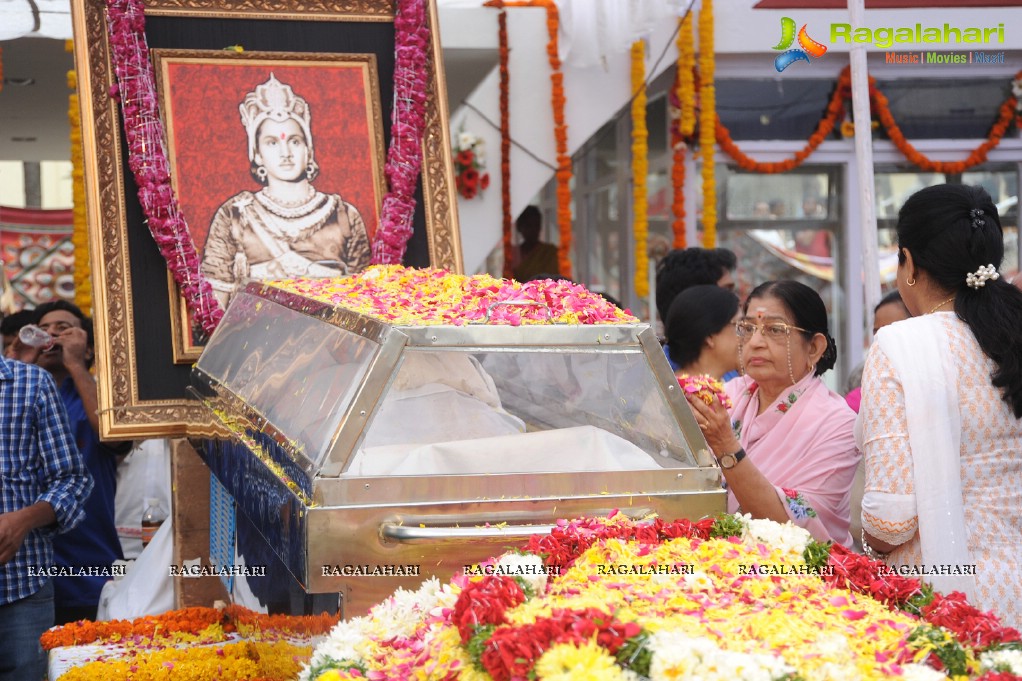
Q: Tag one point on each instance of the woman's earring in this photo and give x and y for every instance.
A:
(741, 361)
(910, 281)
(261, 174)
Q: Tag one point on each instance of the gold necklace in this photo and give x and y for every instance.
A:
(940, 304)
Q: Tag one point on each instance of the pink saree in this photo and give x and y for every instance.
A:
(804, 444)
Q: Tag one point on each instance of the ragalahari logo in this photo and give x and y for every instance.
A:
(809, 47)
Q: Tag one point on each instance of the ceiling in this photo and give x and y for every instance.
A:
(34, 100)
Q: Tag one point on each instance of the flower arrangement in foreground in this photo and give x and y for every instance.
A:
(194, 643)
(470, 165)
(722, 598)
(404, 295)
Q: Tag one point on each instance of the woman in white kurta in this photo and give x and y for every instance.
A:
(940, 424)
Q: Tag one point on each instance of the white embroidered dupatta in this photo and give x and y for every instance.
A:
(918, 350)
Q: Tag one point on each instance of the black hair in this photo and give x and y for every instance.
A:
(807, 309)
(530, 217)
(697, 313)
(46, 308)
(12, 323)
(891, 298)
(682, 268)
(952, 230)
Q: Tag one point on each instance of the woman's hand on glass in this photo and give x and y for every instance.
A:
(715, 422)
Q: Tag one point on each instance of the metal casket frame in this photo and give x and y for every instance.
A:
(327, 525)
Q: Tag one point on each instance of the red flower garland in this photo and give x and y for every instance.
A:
(408, 119)
(505, 145)
(147, 158)
(484, 602)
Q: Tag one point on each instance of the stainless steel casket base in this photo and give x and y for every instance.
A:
(364, 537)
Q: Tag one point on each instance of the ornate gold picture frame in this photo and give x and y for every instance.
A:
(143, 344)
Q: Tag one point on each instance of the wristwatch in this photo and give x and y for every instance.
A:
(729, 461)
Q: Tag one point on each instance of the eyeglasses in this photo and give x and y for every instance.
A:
(771, 331)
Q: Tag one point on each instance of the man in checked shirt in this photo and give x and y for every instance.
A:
(43, 488)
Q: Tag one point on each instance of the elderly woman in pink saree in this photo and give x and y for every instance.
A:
(787, 449)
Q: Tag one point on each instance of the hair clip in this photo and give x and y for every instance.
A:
(979, 278)
(977, 218)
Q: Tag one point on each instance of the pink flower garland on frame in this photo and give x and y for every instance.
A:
(408, 118)
(147, 158)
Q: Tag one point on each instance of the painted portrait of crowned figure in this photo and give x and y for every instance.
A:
(287, 228)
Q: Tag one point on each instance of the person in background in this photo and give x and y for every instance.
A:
(11, 325)
(94, 543)
(43, 487)
(798, 434)
(532, 256)
(701, 331)
(941, 418)
(683, 268)
(890, 309)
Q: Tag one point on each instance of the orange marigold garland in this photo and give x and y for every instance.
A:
(976, 156)
(879, 102)
(686, 77)
(564, 168)
(640, 169)
(82, 273)
(707, 123)
(685, 91)
(835, 111)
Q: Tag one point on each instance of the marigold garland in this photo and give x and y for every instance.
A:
(976, 156)
(879, 102)
(245, 661)
(177, 625)
(678, 204)
(835, 110)
(564, 167)
(640, 169)
(82, 272)
(505, 145)
(707, 123)
(686, 77)
(685, 91)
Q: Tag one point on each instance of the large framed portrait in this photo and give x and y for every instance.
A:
(297, 185)
(276, 149)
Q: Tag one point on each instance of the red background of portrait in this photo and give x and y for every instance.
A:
(210, 145)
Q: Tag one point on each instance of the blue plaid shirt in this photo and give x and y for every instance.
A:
(38, 462)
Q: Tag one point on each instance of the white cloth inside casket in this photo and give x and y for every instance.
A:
(578, 449)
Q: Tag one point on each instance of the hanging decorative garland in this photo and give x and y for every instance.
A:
(707, 123)
(880, 104)
(640, 169)
(81, 273)
(976, 156)
(505, 144)
(408, 119)
(564, 168)
(147, 158)
(686, 95)
(835, 110)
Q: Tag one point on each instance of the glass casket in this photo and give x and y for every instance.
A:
(371, 455)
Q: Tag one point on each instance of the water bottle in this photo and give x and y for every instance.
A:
(34, 337)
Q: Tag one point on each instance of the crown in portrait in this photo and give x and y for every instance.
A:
(275, 101)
